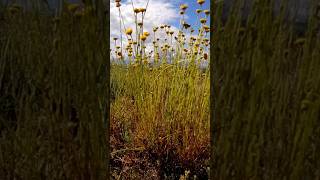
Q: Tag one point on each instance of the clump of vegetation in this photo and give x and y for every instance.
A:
(160, 106)
(53, 94)
(265, 96)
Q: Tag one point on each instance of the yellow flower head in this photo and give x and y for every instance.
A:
(129, 31)
(183, 7)
(142, 10)
(146, 34)
(207, 12)
(155, 29)
(136, 10)
(206, 28)
(198, 11)
(203, 20)
(143, 37)
(200, 1)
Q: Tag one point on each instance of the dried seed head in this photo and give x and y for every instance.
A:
(205, 56)
(186, 25)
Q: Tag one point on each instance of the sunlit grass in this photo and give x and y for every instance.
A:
(160, 110)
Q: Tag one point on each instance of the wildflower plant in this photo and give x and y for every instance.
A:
(161, 96)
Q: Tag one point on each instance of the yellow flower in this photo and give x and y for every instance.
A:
(146, 34)
(129, 31)
(206, 28)
(136, 10)
(143, 37)
(200, 2)
(155, 29)
(203, 20)
(207, 12)
(198, 11)
(142, 10)
(183, 7)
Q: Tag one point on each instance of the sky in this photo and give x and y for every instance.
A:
(158, 12)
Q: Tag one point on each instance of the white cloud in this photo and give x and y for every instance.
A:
(158, 12)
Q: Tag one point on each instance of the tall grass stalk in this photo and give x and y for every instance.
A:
(54, 94)
(265, 96)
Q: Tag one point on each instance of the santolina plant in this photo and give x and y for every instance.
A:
(160, 106)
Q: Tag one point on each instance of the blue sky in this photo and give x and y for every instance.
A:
(158, 12)
(190, 12)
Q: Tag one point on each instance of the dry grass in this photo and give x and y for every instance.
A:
(53, 95)
(160, 110)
